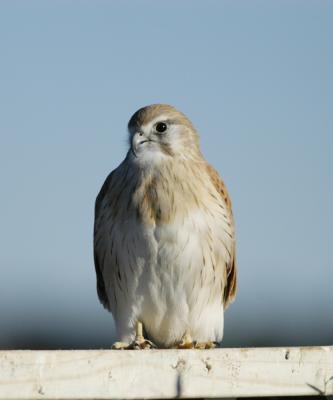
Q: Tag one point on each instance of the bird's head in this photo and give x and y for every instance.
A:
(160, 132)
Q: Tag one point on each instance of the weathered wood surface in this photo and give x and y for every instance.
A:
(110, 374)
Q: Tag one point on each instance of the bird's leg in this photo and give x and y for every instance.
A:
(139, 332)
(140, 343)
(186, 342)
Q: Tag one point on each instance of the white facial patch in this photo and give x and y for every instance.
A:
(150, 154)
(148, 146)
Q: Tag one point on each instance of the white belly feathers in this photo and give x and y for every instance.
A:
(171, 277)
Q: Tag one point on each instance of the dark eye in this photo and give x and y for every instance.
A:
(161, 127)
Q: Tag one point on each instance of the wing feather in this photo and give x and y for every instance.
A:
(98, 258)
(231, 268)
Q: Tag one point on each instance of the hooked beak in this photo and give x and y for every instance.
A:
(137, 140)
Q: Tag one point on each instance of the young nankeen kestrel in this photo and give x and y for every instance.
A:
(164, 238)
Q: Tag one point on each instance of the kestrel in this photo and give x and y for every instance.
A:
(164, 238)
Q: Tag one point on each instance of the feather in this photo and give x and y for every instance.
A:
(231, 269)
(164, 245)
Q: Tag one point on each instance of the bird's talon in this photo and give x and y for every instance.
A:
(186, 342)
(206, 345)
(142, 344)
(120, 346)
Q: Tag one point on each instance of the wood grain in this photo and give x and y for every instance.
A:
(110, 374)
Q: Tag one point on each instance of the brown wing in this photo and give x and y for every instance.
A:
(102, 295)
(231, 270)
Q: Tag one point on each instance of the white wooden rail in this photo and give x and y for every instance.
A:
(111, 374)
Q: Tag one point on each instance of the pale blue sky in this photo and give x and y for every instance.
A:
(256, 79)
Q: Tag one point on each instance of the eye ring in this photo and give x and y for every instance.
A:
(161, 127)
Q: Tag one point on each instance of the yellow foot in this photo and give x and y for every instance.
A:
(120, 346)
(139, 343)
(143, 344)
(186, 342)
(206, 345)
(135, 345)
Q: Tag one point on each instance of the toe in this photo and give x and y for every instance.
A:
(186, 342)
(142, 345)
(120, 346)
(206, 345)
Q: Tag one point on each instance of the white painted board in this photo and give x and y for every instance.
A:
(137, 374)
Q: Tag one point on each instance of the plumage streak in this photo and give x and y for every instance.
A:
(231, 272)
(164, 240)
